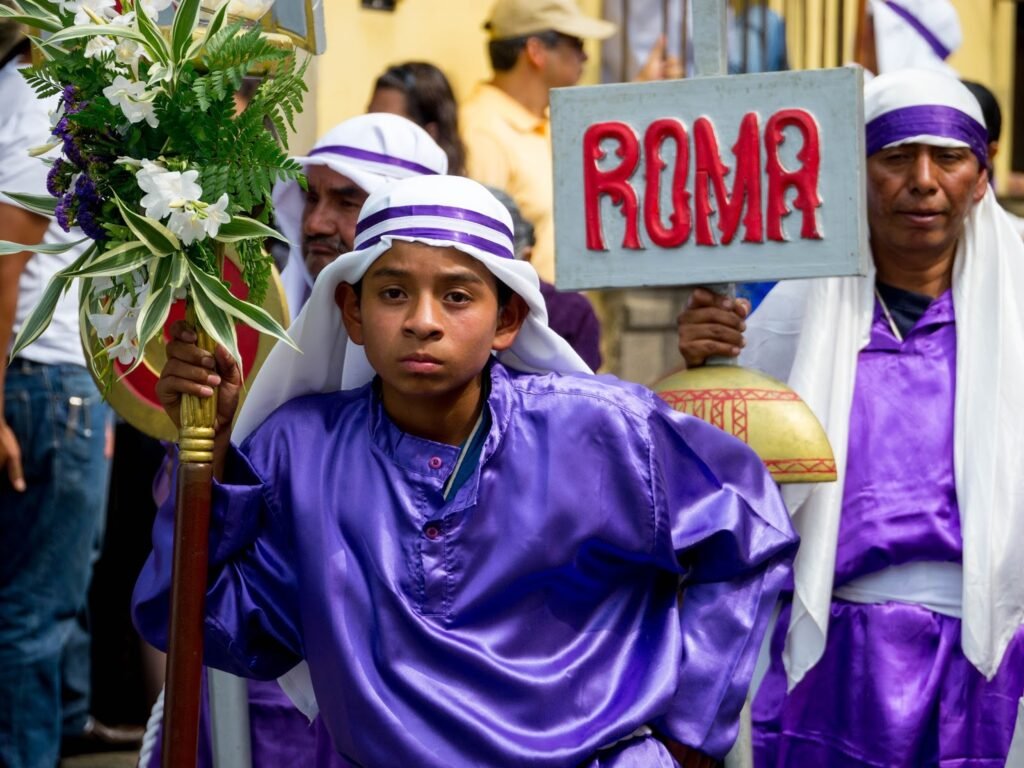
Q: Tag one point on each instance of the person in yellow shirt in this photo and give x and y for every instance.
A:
(535, 45)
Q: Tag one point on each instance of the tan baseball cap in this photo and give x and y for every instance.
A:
(516, 18)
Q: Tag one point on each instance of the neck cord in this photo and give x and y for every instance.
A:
(888, 316)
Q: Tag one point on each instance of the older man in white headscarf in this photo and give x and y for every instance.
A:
(349, 162)
(902, 642)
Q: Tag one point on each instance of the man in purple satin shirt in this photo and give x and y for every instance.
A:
(484, 555)
(900, 643)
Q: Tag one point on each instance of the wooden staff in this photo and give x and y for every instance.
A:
(189, 571)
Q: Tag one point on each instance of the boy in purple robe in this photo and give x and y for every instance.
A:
(482, 555)
(901, 642)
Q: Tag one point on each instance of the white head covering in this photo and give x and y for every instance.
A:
(371, 150)
(915, 34)
(444, 211)
(988, 286)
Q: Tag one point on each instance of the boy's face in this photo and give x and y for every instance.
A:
(428, 319)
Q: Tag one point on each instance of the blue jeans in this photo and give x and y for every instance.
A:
(47, 542)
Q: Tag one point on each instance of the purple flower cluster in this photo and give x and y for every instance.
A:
(65, 132)
(88, 207)
(58, 178)
(62, 214)
(69, 99)
(80, 204)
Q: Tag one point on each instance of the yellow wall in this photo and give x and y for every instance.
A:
(988, 55)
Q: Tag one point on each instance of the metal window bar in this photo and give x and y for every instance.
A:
(818, 33)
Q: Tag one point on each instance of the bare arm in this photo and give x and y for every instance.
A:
(194, 371)
(19, 226)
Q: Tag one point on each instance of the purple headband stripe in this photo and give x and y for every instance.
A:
(441, 234)
(929, 37)
(928, 119)
(375, 157)
(440, 211)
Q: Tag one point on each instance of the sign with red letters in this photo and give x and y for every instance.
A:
(710, 180)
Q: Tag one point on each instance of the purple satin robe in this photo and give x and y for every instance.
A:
(533, 618)
(893, 687)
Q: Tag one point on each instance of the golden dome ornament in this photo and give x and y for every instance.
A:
(762, 412)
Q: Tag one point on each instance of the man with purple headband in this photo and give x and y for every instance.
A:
(348, 162)
(901, 644)
(482, 555)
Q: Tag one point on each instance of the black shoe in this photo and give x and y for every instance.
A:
(97, 737)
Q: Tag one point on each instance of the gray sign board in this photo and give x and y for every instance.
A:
(710, 180)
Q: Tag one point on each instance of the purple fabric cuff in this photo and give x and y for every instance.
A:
(441, 211)
(482, 243)
(375, 157)
(931, 119)
(934, 43)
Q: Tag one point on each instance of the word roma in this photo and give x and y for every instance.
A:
(710, 173)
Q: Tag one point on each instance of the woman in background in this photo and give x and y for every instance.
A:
(420, 92)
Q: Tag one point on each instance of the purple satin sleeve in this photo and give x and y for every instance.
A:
(727, 526)
(250, 628)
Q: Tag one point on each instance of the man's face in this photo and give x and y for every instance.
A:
(329, 217)
(428, 319)
(563, 62)
(918, 198)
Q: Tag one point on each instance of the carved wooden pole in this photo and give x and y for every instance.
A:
(189, 572)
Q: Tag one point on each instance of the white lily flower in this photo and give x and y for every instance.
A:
(42, 149)
(105, 324)
(166, 190)
(134, 100)
(105, 9)
(125, 350)
(216, 214)
(98, 45)
(138, 111)
(188, 224)
(102, 284)
(128, 52)
(121, 319)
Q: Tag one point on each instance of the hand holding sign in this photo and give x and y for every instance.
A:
(711, 325)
